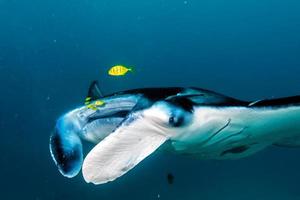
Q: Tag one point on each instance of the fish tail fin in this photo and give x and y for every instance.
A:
(66, 149)
(131, 69)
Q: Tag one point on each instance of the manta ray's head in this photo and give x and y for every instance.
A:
(145, 129)
(160, 117)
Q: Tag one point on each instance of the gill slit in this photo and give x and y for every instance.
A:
(217, 132)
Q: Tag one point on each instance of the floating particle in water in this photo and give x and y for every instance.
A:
(170, 178)
(158, 196)
(185, 2)
(16, 115)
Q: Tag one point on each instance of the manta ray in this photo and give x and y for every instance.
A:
(191, 121)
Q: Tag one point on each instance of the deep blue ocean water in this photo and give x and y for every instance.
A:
(51, 50)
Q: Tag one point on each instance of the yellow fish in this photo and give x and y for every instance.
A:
(94, 105)
(99, 103)
(119, 70)
(87, 100)
(91, 106)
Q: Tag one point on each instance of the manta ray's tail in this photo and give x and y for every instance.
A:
(66, 148)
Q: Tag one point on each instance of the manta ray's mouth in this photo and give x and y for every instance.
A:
(99, 128)
(118, 114)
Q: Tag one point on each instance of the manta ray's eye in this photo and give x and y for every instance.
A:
(176, 121)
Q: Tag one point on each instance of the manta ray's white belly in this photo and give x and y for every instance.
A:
(235, 132)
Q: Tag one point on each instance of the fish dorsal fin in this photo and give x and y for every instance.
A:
(94, 91)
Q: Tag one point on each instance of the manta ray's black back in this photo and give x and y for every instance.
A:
(153, 93)
(196, 96)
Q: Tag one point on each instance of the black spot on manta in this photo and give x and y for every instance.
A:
(236, 150)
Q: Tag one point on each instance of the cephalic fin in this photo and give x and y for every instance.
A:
(134, 140)
(66, 149)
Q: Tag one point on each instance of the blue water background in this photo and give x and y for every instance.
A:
(50, 51)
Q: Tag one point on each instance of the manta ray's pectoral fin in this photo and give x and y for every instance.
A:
(279, 102)
(291, 142)
(286, 116)
(135, 139)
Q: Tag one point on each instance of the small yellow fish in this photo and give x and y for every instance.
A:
(99, 103)
(87, 100)
(94, 105)
(119, 70)
(91, 106)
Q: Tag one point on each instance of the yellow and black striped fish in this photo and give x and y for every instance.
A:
(93, 105)
(119, 70)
